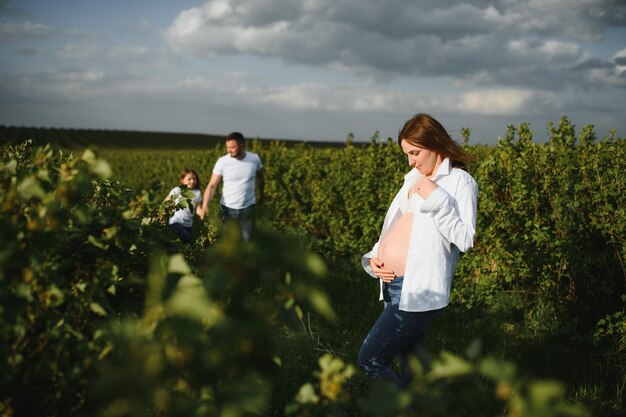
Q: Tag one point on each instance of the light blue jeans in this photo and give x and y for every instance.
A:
(396, 333)
(244, 216)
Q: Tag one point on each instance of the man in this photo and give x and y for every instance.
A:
(239, 169)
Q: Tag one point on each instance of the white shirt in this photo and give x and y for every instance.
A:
(443, 225)
(184, 216)
(239, 177)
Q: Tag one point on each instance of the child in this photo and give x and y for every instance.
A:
(182, 219)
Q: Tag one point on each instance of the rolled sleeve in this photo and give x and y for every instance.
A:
(455, 217)
(435, 201)
(365, 260)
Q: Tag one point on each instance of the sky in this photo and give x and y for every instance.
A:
(313, 69)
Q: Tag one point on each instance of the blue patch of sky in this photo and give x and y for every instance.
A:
(614, 41)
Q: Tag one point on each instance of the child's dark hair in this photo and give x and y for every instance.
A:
(186, 171)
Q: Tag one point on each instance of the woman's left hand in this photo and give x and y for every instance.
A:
(424, 187)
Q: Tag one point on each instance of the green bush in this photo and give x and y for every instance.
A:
(75, 250)
(102, 312)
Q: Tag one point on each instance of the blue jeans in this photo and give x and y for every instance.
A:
(244, 216)
(396, 333)
(184, 233)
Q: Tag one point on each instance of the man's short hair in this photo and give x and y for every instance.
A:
(236, 136)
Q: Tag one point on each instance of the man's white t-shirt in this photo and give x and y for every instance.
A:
(238, 176)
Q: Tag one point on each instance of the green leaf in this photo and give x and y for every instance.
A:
(102, 169)
(54, 296)
(474, 350)
(497, 369)
(190, 300)
(44, 175)
(307, 395)
(298, 311)
(10, 167)
(30, 188)
(322, 305)
(449, 366)
(315, 264)
(91, 239)
(178, 265)
(97, 308)
(98, 166)
(89, 156)
(544, 392)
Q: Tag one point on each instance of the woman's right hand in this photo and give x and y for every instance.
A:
(378, 267)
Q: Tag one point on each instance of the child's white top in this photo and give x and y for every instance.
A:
(184, 216)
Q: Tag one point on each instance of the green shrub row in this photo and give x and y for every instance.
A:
(103, 313)
(549, 258)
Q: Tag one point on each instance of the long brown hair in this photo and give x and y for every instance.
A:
(186, 171)
(425, 131)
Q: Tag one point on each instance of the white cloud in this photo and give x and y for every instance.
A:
(550, 54)
(81, 76)
(186, 24)
(400, 37)
(620, 61)
(325, 64)
(130, 52)
(64, 85)
(300, 97)
(375, 102)
(83, 51)
(495, 101)
(217, 9)
(24, 30)
(117, 57)
(232, 88)
(612, 77)
(578, 19)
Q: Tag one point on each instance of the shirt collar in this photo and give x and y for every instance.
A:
(444, 169)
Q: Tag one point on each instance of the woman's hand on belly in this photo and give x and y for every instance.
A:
(378, 267)
(394, 246)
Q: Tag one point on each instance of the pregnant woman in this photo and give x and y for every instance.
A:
(429, 222)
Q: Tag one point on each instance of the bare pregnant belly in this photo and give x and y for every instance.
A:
(394, 247)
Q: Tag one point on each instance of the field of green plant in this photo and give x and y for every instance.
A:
(103, 313)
